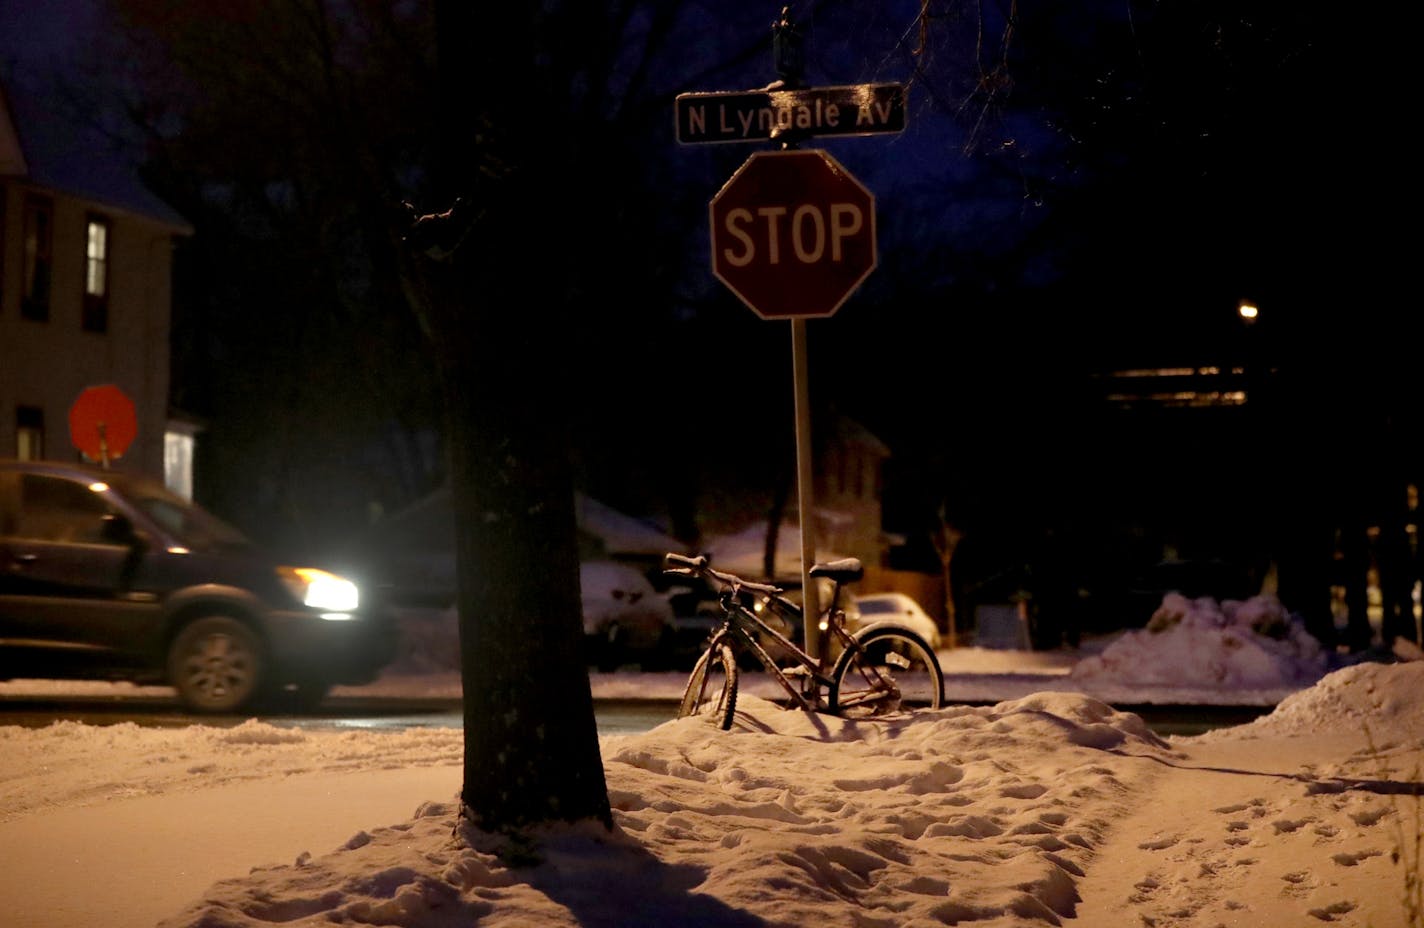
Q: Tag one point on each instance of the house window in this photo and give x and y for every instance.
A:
(96, 275)
(29, 433)
(39, 257)
(178, 463)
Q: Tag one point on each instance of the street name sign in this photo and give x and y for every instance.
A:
(759, 115)
(793, 233)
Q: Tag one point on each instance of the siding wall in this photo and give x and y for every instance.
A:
(47, 364)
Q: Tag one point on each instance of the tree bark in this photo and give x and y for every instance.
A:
(531, 743)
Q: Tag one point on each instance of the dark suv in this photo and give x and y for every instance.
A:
(112, 576)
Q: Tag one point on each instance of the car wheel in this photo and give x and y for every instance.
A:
(216, 664)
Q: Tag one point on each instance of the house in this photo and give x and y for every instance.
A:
(848, 489)
(411, 553)
(86, 255)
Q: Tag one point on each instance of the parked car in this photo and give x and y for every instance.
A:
(696, 614)
(109, 575)
(896, 609)
(625, 620)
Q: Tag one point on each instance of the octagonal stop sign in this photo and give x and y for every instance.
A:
(102, 423)
(793, 234)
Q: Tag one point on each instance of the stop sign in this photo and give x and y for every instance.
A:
(102, 423)
(793, 234)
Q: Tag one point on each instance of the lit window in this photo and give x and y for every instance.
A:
(96, 275)
(29, 433)
(178, 463)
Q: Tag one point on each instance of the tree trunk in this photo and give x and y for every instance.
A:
(775, 513)
(951, 615)
(531, 743)
(945, 542)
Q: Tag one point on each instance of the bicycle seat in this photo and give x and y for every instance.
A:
(843, 571)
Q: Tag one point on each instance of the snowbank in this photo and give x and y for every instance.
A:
(1251, 644)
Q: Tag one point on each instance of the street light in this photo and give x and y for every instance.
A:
(1253, 370)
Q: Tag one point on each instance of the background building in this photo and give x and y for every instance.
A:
(85, 289)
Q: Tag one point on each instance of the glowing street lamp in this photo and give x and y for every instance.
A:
(1251, 369)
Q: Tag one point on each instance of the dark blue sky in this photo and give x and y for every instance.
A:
(43, 32)
(1253, 161)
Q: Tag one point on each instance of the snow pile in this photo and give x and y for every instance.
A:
(1046, 809)
(1253, 644)
(946, 817)
(1381, 699)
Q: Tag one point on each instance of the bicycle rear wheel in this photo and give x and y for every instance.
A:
(712, 686)
(891, 666)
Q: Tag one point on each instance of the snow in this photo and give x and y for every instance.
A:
(1233, 645)
(1048, 807)
(743, 552)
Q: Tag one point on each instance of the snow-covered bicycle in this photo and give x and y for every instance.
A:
(873, 671)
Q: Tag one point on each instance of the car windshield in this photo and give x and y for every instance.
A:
(875, 605)
(192, 526)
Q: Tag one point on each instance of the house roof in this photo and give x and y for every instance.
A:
(850, 432)
(43, 145)
(12, 159)
(429, 524)
(742, 553)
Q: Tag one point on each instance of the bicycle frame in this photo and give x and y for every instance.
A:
(869, 655)
(745, 626)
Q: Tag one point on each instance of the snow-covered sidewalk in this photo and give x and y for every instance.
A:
(1020, 815)
(1040, 803)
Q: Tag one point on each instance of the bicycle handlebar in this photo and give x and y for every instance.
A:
(684, 566)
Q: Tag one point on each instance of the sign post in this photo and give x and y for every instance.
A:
(793, 235)
(793, 232)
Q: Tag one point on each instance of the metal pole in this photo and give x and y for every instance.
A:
(810, 601)
(787, 51)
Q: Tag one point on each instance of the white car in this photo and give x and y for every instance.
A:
(625, 620)
(895, 609)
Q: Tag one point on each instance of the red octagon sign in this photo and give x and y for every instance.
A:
(102, 423)
(793, 234)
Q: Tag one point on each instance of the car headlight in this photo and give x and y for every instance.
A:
(335, 596)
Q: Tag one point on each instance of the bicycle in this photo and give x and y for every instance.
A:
(870, 675)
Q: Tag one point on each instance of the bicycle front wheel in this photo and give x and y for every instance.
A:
(712, 686)
(891, 666)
